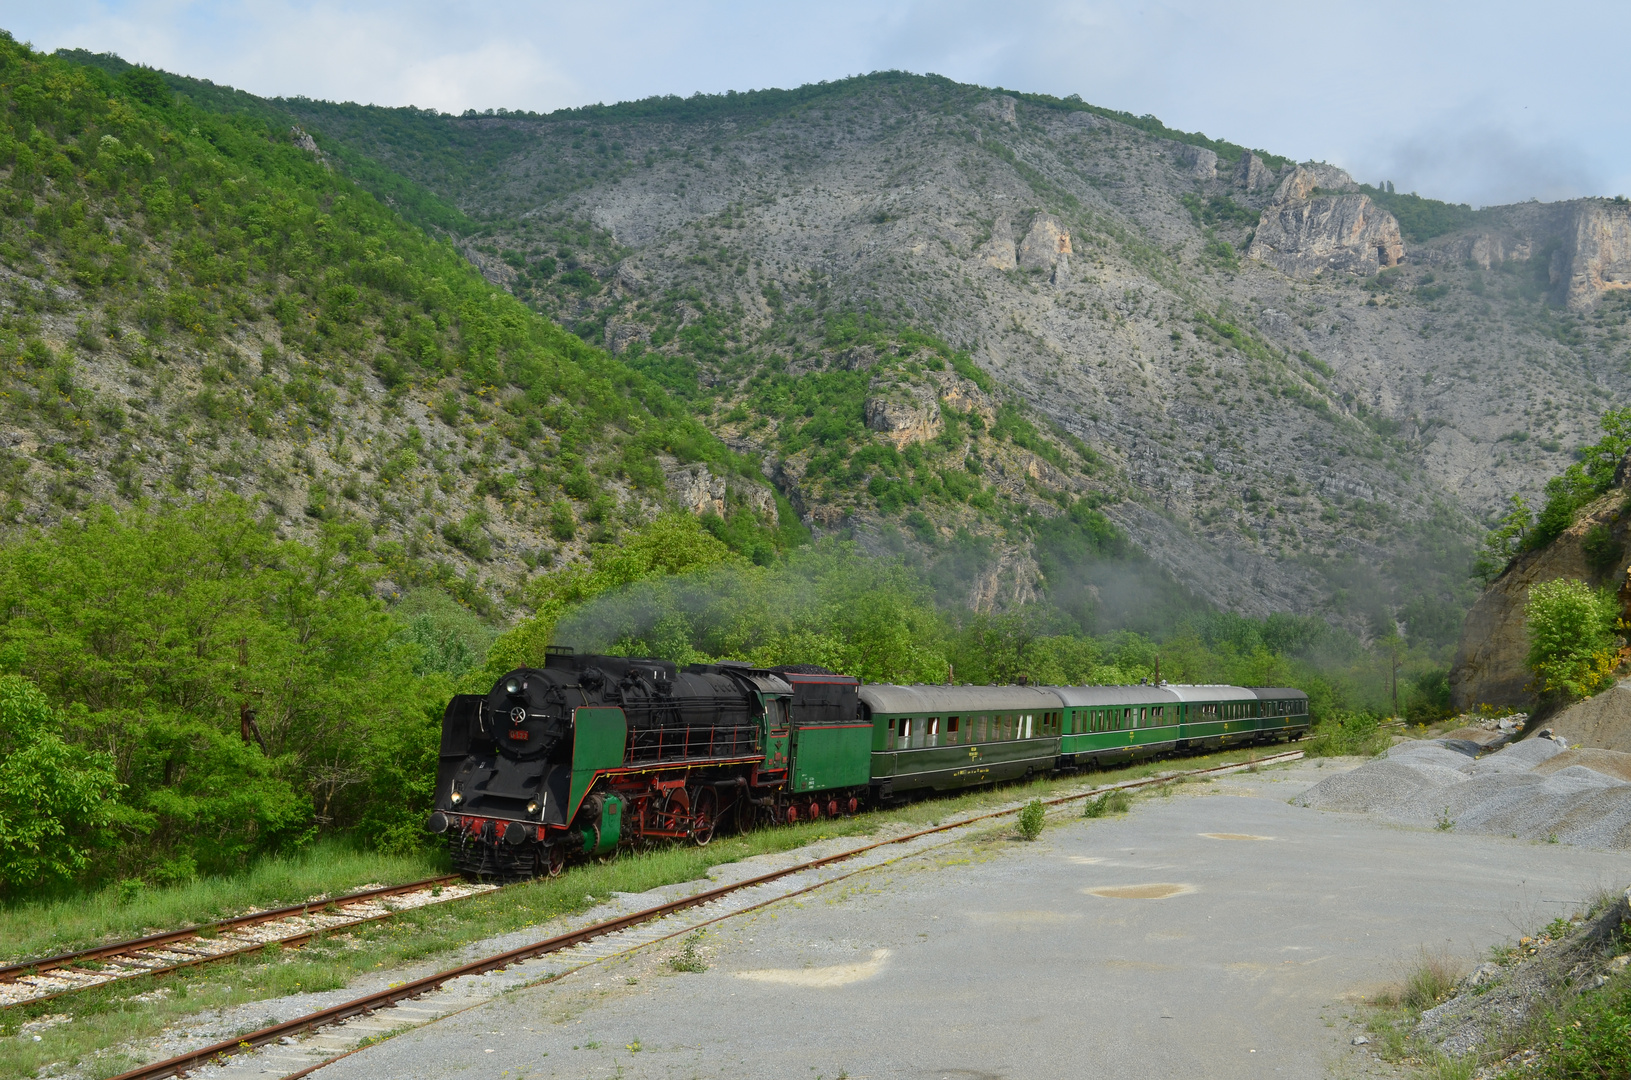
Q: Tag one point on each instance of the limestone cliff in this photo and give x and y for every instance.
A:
(1491, 664)
(1305, 231)
(1596, 255)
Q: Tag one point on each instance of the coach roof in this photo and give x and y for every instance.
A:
(923, 699)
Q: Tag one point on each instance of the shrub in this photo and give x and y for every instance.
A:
(51, 794)
(1031, 819)
(1583, 481)
(562, 526)
(1593, 1039)
(240, 684)
(1346, 733)
(1573, 647)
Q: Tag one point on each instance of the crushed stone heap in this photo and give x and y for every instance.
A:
(1534, 790)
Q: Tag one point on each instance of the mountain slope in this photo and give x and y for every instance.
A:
(941, 317)
(1309, 429)
(196, 300)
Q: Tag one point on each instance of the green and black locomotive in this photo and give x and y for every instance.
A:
(571, 759)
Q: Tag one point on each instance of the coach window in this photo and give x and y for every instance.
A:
(931, 734)
(905, 732)
(951, 730)
(1160, 714)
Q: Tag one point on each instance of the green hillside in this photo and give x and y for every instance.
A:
(195, 302)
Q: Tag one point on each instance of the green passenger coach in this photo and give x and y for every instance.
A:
(942, 737)
(936, 738)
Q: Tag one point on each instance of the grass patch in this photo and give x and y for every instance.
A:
(688, 959)
(1111, 802)
(129, 909)
(1589, 1039)
(107, 1016)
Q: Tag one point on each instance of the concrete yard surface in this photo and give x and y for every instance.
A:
(1219, 932)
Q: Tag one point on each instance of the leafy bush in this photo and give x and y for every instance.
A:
(1031, 819)
(241, 685)
(1573, 647)
(52, 795)
(1346, 733)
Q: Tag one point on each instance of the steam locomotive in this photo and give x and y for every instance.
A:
(571, 759)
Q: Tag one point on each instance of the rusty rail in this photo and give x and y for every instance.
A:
(132, 948)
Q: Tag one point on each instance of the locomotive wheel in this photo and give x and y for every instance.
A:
(556, 854)
(854, 804)
(814, 810)
(832, 808)
(746, 815)
(792, 814)
(705, 814)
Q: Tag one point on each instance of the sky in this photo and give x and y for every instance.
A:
(1481, 102)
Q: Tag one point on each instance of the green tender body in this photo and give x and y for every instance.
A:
(831, 756)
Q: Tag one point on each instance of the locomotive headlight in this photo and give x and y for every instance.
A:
(532, 807)
(456, 798)
(513, 686)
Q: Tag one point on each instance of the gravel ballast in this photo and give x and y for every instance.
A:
(1443, 783)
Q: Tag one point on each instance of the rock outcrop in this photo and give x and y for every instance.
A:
(1491, 665)
(1252, 173)
(901, 422)
(1301, 183)
(1046, 247)
(620, 335)
(999, 250)
(1486, 250)
(1196, 161)
(1303, 234)
(1595, 257)
(695, 488)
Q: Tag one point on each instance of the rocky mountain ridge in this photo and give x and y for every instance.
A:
(1302, 402)
(933, 312)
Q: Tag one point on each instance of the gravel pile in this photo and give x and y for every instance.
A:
(1444, 783)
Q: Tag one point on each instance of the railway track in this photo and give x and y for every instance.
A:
(566, 953)
(50, 977)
